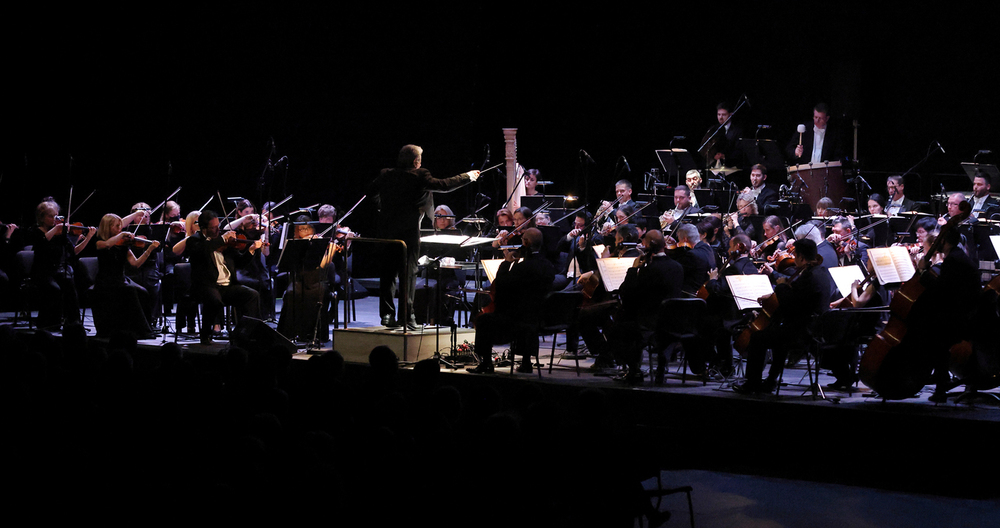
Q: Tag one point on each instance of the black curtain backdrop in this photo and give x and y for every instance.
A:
(341, 89)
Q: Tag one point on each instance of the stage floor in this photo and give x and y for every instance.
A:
(428, 339)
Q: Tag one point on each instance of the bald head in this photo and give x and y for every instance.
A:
(532, 239)
(653, 241)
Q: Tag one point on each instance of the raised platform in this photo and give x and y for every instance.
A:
(356, 343)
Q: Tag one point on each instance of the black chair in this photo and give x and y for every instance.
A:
(86, 277)
(677, 323)
(558, 309)
(827, 331)
(26, 287)
(186, 305)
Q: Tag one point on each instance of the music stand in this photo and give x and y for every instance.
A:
(674, 162)
(296, 254)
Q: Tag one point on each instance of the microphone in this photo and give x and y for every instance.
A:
(235, 198)
(940, 147)
(587, 156)
(626, 164)
(766, 126)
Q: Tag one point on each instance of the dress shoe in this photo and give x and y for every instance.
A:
(389, 321)
(524, 367)
(749, 387)
(482, 368)
(939, 396)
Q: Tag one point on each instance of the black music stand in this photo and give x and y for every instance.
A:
(295, 256)
(675, 161)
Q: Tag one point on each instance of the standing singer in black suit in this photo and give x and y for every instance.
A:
(403, 198)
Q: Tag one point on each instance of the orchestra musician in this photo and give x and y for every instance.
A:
(941, 316)
(898, 202)
(695, 257)
(305, 298)
(402, 195)
(722, 314)
(982, 202)
(531, 182)
(845, 243)
(738, 222)
(820, 142)
(823, 206)
(724, 150)
(693, 180)
(623, 197)
(119, 302)
(772, 242)
(520, 291)
(876, 204)
(150, 273)
(682, 206)
(759, 190)
(253, 272)
(213, 273)
(801, 298)
(652, 278)
(52, 268)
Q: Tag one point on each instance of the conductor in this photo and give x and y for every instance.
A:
(402, 195)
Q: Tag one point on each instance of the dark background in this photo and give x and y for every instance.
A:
(341, 89)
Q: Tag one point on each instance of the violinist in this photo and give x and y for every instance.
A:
(652, 278)
(150, 272)
(849, 249)
(620, 218)
(171, 216)
(842, 357)
(722, 312)
(213, 274)
(52, 269)
(738, 222)
(801, 298)
(187, 312)
(253, 272)
(120, 303)
(337, 268)
(520, 291)
(774, 238)
(305, 298)
(8, 248)
(695, 256)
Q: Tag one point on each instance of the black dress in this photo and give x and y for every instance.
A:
(118, 300)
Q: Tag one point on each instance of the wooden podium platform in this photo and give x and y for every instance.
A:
(356, 343)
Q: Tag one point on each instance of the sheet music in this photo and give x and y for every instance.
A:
(492, 266)
(598, 249)
(748, 288)
(995, 239)
(892, 264)
(475, 241)
(453, 240)
(612, 271)
(844, 276)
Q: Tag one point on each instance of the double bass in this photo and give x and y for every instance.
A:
(889, 369)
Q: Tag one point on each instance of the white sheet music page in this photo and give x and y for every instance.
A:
(612, 271)
(748, 288)
(844, 276)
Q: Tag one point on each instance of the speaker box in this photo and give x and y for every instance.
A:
(253, 335)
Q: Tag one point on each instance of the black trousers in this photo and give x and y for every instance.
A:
(245, 300)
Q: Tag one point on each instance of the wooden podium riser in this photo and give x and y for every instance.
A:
(355, 344)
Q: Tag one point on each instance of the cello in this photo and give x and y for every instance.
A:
(885, 366)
